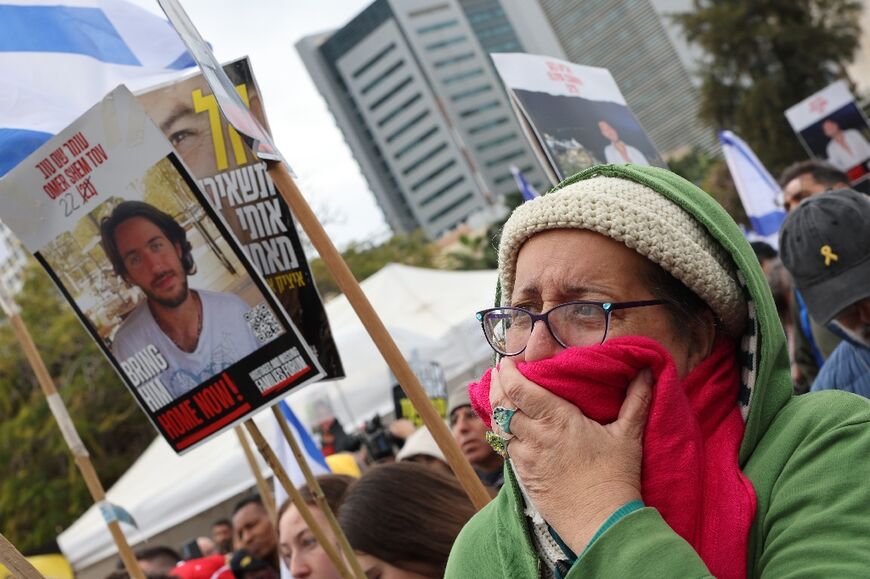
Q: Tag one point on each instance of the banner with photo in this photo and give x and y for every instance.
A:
(573, 115)
(153, 273)
(237, 185)
(833, 128)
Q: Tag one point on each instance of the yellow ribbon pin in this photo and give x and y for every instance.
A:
(829, 255)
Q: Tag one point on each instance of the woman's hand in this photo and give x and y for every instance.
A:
(577, 472)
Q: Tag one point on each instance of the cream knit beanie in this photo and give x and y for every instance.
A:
(644, 221)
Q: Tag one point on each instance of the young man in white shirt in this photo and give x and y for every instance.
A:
(189, 334)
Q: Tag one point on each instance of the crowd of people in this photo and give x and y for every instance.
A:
(664, 419)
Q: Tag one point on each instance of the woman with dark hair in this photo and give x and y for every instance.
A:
(402, 519)
(299, 549)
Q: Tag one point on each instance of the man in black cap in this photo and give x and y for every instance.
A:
(246, 566)
(812, 343)
(825, 244)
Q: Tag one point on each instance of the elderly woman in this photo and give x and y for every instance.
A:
(643, 399)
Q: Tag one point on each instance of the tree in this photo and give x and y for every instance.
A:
(481, 251)
(694, 166)
(763, 56)
(366, 258)
(41, 490)
(711, 174)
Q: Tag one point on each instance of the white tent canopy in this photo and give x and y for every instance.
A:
(429, 313)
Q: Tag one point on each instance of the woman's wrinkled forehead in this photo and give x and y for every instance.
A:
(577, 264)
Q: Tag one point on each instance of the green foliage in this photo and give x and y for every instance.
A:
(718, 183)
(41, 491)
(764, 56)
(476, 251)
(367, 258)
(711, 174)
(481, 251)
(694, 166)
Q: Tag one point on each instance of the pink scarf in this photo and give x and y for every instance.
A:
(690, 472)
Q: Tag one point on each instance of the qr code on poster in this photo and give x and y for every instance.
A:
(262, 322)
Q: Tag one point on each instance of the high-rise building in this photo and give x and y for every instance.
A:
(641, 45)
(412, 88)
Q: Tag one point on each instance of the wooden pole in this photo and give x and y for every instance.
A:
(378, 332)
(16, 562)
(68, 430)
(296, 497)
(319, 497)
(265, 492)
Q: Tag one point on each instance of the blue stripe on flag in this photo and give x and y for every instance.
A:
(310, 447)
(17, 144)
(69, 29)
(182, 62)
(767, 224)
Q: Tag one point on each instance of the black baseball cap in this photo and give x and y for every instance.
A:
(825, 244)
(243, 561)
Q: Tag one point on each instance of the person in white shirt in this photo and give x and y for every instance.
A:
(617, 151)
(846, 149)
(196, 333)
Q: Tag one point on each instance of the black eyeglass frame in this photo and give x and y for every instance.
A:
(607, 307)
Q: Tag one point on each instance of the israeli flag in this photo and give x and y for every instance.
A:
(313, 456)
(528, 192)
(60, 57)
(759, 192)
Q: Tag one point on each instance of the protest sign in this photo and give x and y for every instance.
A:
(238, 186)
(573, 115)
(247, 124)
(831, 127)
(431, 376)
(153, 273)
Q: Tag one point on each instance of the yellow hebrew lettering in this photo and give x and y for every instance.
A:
(209, 104)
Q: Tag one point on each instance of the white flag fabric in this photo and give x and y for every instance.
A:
(526, 190)
(313, 456)
(315, 459)
(60, 57)
(759, 192)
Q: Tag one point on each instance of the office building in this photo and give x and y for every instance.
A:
(641, 45)
(411, 87)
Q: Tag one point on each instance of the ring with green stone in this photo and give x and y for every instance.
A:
(503, 416)
(498, 443)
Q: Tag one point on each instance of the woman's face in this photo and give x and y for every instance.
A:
(375, 568)
(563, 265)
(300, 551)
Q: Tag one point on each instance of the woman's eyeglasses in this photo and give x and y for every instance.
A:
(580, 323)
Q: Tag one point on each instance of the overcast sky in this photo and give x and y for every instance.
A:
(304, 130)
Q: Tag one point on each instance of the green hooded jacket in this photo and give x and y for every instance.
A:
(808, 458)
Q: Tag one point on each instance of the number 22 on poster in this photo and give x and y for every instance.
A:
(70, 166)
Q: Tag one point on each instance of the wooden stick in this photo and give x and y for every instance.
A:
(296, 497)
(68, 430)
(16, 562)
(265, 492)
(378, 332)
(319, 497)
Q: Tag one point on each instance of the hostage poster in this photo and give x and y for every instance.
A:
(832, 127)
(109, 210)
(237, 185)
(574, 116)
